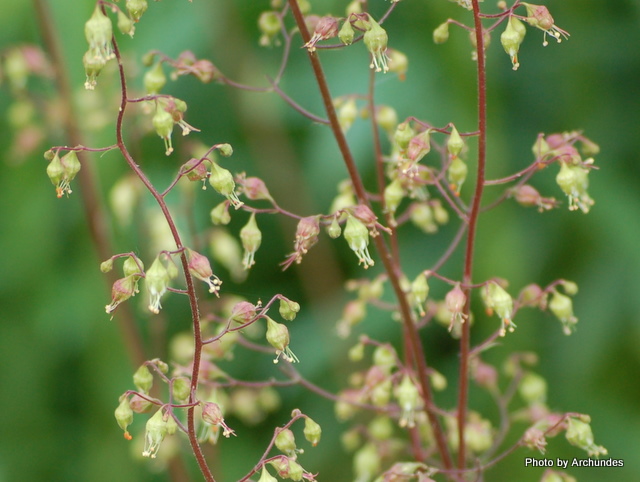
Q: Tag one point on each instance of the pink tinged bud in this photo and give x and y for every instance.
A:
(254, 188)
(200, 267)
(538, 16)
(157, 280)
(122, 290)
(251, 238)
(139, 404)
(326, 28)
(243, 312)
(455, 301)
(195, 170)
(278, 337)
(222, 181)
(156, 430)
(375, 39)
(364, 213)
(357, 235)
(419, 146)
(526, 195)
(212, 414)
(484, 374)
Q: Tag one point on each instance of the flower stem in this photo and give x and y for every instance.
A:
(391, 268)
(463, 391)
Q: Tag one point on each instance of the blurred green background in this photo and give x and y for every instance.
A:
(63, 361)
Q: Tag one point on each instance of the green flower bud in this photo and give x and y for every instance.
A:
(356, 352)
(422, 216)
(251, 238)
(157, 280)
(227, 252)
(498, 300)
(143, 379)
(265, 476)
(312, 431)
(398, 63)
(133, 266)
(366, 462)
(478, 433)
(155, 80)
(381, 393)
(579, 434)
(387, 118)
(125, 24)
(136, 8)
(334, 230)
(278, 337)
(455, 144)
(163, 124)
(409, 400)
(540, 148)
(107, 265)
(384, 356)
(380, 428)
(562, 307)
(573, 180)
(438, 380)
(222, 181)
(181, 389)
(124, 416)
(225, 150)
(440, 214)
(98, 31)
(288, 309)
(457, 174)
(156, 430)
(347, 114)
(533, 389)
(403, 135)
(286, 442)
(269, 25)
(357, 235)
(441, 33)
(419, 293)
(570, 287)
(511, 39)
(393, 195)
(346, 33)
(220, 214)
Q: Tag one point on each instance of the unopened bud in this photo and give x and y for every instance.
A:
(441, 33)
(181, 389)
(124, 416)
(136, 8)
(312, 431)
(346, 33)
(288, 309)
(154, 79)
(286, 442)
(143, 379)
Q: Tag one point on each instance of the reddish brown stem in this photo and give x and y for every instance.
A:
(392, 269)
(193, 302)
(463, 391)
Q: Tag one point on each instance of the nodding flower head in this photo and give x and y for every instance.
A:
(357, 235)
(375, 39)
(200, 267)
(98, 31)
(538, 16)
(251, 238)
(62, 171)
(157, 280)
(573, 180)
(326, 28)
(511, 39)
(156, 430)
